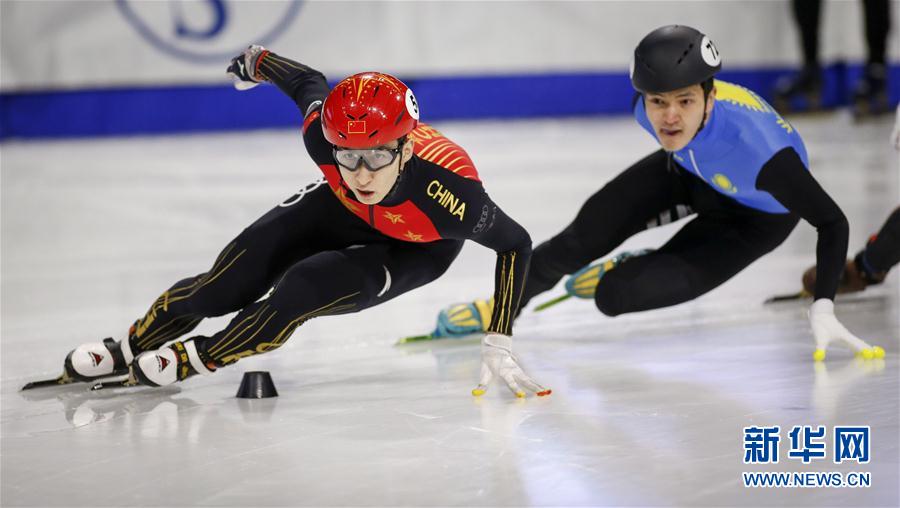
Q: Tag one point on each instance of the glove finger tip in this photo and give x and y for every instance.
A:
(479, 391)
(516, 390)
(544, 392)
(866, 353)
(819, 354)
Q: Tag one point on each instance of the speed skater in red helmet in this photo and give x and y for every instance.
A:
(396, 204)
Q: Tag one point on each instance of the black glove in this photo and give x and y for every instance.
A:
(243, 68)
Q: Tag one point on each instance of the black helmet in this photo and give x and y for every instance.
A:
(673, 57)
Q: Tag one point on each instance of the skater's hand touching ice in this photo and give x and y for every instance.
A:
(497, 360)
(826, 328)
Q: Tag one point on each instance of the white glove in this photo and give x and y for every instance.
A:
(243, 68)
(895, 136)
(827, 328)
(497, 360)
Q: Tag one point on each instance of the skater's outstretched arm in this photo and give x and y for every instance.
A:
(303, 84)
(484, 222)
(786, 178)
(487, 224)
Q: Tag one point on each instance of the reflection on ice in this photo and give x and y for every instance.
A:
(647, 409)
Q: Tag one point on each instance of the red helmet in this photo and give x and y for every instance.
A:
(369, 109)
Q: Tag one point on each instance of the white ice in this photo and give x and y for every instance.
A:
(647, 409)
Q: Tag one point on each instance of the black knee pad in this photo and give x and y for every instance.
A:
(608, 296)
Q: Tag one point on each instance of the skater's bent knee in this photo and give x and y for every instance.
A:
(609, 297)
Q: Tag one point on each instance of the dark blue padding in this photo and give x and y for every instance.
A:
(159, 110)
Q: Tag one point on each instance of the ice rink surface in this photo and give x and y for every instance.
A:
(647, 409)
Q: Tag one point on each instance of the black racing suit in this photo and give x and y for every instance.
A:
(322, 252)
(882, 251)
(745, 151)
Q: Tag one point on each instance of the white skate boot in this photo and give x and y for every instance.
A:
(169, 364)
(100, 359)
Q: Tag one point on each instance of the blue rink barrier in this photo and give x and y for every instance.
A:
(166, 110)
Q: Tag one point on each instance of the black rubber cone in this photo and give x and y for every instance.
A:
(257, 385)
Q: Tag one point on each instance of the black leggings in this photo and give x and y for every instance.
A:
(877, 20)
(321, 260)
(723, 239)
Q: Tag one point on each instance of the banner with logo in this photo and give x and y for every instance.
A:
(529, 49)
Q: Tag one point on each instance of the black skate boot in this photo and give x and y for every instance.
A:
(856, 276)
(806, 84)
(870, 93)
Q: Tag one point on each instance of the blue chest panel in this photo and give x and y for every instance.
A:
(743, 132)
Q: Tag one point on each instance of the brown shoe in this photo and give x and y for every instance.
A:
(853, 278)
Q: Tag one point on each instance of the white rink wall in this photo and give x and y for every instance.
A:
(90, 43)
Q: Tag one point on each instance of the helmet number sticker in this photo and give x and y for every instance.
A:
(412, 107)
(709, 52)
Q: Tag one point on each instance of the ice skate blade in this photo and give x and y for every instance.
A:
(122, 381)
(62, 379)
